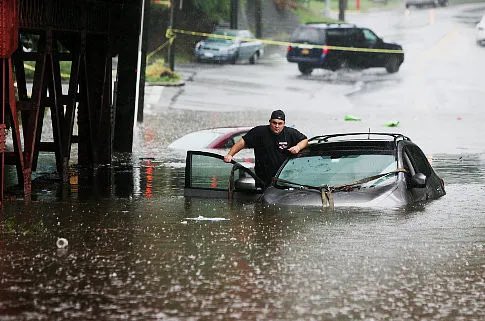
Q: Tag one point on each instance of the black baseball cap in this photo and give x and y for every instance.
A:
(278, 114)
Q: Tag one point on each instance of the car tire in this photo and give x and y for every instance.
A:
(305, 69)
(344, 64)
(334, 66)
(253, 58)
(392, 65)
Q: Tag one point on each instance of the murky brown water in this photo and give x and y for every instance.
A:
(135, 254)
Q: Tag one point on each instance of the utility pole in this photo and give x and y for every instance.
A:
(141, 65)
(234, 13)
(258, 14)
(171, 48)
(342, 5)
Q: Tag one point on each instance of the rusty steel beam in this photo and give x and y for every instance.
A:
(66, 15)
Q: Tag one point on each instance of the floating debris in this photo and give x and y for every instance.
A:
(351, 118)
(393, 123)
(62, 243)
(203, 218)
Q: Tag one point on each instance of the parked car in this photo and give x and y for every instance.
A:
(240, 45)
(211, 138)
(424, 3)
(481, 31)
(353, 169)
(308, 49)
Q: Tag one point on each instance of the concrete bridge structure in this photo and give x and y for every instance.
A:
(38, 39)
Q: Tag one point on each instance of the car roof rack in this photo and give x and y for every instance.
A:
(327, 138)
(330, 25)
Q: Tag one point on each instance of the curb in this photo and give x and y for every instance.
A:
(166, 84)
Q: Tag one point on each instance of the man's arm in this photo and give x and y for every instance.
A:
(298, 147)
(234, 150)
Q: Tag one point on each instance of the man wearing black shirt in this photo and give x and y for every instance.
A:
(272, 144)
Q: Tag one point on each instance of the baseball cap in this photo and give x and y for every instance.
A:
(278, 114)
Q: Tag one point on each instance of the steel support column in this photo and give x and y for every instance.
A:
(86, 34)
(127, 77)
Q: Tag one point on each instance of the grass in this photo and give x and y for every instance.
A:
(157, 73)
(65, 67)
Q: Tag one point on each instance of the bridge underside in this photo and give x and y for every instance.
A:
(56, 61)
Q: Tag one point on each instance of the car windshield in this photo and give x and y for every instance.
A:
(308, 35)
(328, 170)
(229, 33)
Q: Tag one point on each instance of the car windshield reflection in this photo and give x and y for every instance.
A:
(329, 170)
(219, 40)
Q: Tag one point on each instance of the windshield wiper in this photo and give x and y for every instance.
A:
(327, 191)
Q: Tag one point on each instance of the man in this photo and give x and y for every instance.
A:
(272, 144)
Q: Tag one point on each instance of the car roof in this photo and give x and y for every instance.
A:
(204, 137)
(322, 25)
(229, 31)
(357, 141)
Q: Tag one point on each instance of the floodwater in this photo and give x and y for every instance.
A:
(139, 250)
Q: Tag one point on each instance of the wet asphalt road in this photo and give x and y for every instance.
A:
(135, 251)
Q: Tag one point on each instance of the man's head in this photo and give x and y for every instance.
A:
(277, 121)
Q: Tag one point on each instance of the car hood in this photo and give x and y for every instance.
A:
(386, 196)
(392, 46)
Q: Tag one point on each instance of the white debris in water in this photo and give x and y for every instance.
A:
(202, 218)
(62, 243)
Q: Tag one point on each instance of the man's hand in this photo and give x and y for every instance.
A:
(298, 147)
(294, 150)
(228, 158)
(240, 144)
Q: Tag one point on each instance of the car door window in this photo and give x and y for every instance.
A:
(370, 37)
(419, 160)
(206, 174)
(247, 35)
(407, 164)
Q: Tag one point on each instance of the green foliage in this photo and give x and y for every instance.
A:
(215, 9)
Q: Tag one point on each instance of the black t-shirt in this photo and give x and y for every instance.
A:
(271, 150)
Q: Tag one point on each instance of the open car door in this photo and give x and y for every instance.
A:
(207, 175)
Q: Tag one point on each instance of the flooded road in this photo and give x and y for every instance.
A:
(139, 250)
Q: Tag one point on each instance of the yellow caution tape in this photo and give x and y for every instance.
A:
(171, 34)
(32, 68)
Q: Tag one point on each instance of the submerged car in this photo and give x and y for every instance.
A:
(354, 169)
(480, 35)
(239, 45)
(210, 138)
(341, 45)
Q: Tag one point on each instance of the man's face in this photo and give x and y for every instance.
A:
(276, 125)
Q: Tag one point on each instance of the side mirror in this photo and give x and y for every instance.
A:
(246, 184)
(418, 180)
